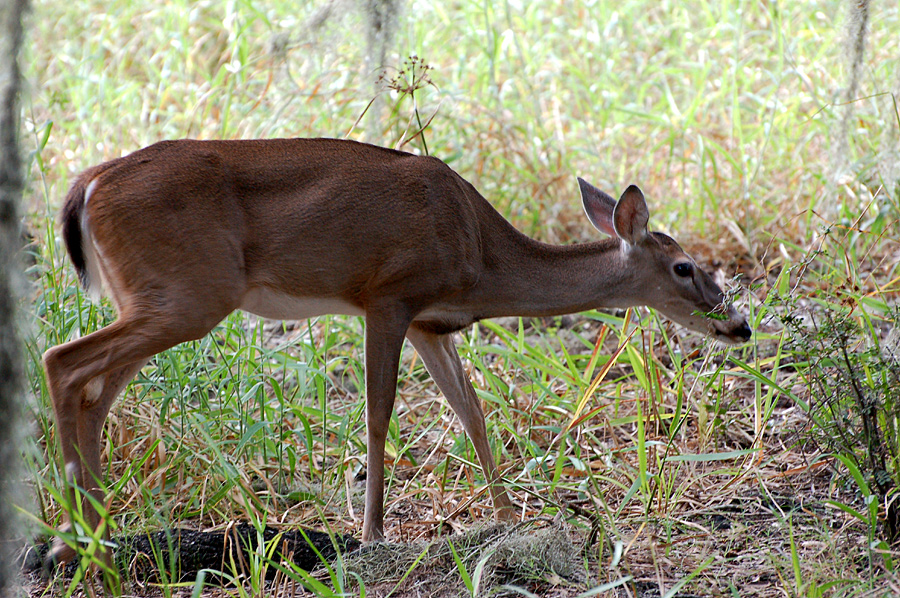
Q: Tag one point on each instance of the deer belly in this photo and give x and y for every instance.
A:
(281, 306)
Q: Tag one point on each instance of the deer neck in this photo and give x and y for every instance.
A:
(524, 277)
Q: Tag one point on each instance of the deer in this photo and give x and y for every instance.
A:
(182, 233)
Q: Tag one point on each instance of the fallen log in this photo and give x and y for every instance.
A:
(180, 554)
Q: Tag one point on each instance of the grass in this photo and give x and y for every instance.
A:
(683, 467)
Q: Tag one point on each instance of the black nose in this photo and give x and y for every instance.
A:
(743, 331)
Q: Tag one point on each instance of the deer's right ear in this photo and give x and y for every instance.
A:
(598, 206)
(631, 216)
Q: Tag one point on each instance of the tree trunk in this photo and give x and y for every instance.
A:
(11, 370)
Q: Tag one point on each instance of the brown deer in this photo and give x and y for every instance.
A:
(182, 233)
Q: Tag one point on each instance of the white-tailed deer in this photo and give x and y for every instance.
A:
(182, 233)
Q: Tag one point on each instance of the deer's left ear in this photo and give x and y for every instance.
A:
(631, 216)
(598, 206)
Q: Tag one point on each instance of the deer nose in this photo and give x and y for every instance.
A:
(743, 331)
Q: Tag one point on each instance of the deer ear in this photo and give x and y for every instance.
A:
(598, 206)
(631, 215)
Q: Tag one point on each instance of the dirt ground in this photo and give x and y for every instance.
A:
(729, 536)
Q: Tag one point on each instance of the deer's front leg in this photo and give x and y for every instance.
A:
(439, 354)
(385, 331)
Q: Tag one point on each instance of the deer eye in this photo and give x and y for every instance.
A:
(683, 269)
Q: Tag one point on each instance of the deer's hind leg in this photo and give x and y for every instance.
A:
(97, 398)
(85, 375)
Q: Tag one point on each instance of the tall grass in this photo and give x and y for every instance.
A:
(722, 112)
